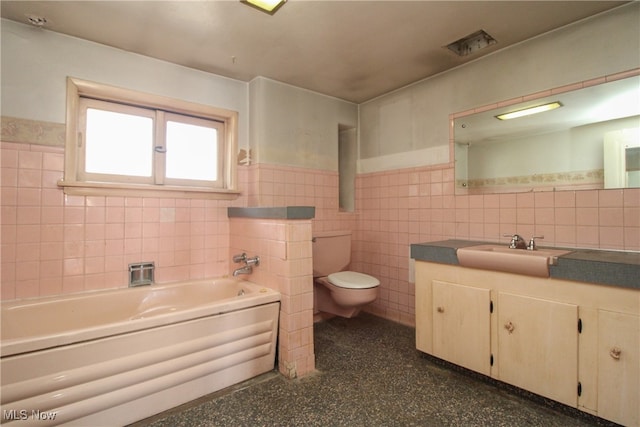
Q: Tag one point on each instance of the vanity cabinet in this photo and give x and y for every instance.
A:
(573, 342)
(619, 367)
(461, 325)
(538, 346)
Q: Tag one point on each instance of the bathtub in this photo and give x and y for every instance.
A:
(117, 356)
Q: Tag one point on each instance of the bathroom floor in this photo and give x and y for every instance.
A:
(370, 374)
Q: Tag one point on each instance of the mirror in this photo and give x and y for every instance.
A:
(592, 141)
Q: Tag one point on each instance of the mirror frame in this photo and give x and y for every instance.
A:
(517, 100)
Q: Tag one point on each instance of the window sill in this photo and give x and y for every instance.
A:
(139, 190)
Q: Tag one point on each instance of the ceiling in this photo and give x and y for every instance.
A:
(353, 50)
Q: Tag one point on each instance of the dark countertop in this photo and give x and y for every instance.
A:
(583, 265)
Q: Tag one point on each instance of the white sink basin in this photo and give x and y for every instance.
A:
(502, 258)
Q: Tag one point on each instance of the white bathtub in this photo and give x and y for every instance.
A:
(114, 357)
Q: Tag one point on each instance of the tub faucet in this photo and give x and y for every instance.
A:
(247, 269)
(248, 264)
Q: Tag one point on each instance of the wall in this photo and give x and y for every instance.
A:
(404, 192)
(405, 189)
(53, 243)
(290, 126)
(400, 207)
(416, 118)
(36, 63)
(284, 247)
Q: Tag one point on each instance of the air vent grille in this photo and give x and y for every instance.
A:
(472, 43)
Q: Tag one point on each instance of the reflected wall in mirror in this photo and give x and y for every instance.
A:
(591, 142)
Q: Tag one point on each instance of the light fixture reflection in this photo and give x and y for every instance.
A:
(529, 111)
(268, 6)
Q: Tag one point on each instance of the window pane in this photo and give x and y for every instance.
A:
(118, 144)
(192, 152)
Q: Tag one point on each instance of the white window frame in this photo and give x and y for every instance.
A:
(77, 182)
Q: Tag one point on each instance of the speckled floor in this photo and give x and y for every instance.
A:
(369, 374)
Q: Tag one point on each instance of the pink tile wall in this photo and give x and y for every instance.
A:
(284, 247)
(53, 243)
(274, 185)
(407, 206)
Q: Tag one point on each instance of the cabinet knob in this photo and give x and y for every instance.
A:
(440, 309)
(509, 327)
(615, 353)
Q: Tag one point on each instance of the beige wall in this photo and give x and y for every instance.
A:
(296, 127)
(416, 118)
(37, 62)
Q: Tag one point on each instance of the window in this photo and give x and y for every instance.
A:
(127, 143)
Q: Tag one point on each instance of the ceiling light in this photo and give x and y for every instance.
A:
(529, 111)
(471, 43)
(268, 6)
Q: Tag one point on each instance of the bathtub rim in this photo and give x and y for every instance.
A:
(257, 295)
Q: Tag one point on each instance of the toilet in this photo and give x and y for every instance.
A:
(338, 292)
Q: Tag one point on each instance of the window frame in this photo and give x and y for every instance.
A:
(75, 182)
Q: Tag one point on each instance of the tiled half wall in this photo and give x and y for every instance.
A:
(407, 206)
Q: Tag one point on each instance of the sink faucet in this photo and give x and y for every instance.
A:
(532, 243)
(517, 242)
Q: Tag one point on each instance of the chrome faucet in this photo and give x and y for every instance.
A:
(247, 269)
(248, 264)
(532, 243)
(517, 242)
(240, 258)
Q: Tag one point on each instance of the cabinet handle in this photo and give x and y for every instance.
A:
(440, 309)
(509, 327)
(615, 353)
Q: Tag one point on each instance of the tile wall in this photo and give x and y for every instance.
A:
(284, 247)
(274, 185)
(53, 243)
(407, 206)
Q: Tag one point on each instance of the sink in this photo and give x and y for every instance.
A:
(502, 258)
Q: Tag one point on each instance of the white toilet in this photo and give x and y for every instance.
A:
(338, 292)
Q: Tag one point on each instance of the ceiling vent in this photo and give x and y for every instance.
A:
(471, 43)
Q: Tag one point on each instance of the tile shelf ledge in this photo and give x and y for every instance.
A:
(281, 212)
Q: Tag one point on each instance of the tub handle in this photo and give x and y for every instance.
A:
(253, 261)
(240, 258)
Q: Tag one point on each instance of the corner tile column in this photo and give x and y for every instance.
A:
(282, 239)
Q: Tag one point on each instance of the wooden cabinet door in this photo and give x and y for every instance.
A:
(619, 367)
(538, 346)
(462, 325)
(424, 316)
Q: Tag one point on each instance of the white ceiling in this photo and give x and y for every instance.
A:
(353, 50)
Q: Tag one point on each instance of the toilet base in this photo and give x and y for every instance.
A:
(324, 302)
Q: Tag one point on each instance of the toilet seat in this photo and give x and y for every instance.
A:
(353, 280)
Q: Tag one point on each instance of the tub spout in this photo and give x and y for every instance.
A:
(247, 269)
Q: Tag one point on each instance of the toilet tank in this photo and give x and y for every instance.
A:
(331, 252)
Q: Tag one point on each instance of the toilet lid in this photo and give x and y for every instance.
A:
(353, 280)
